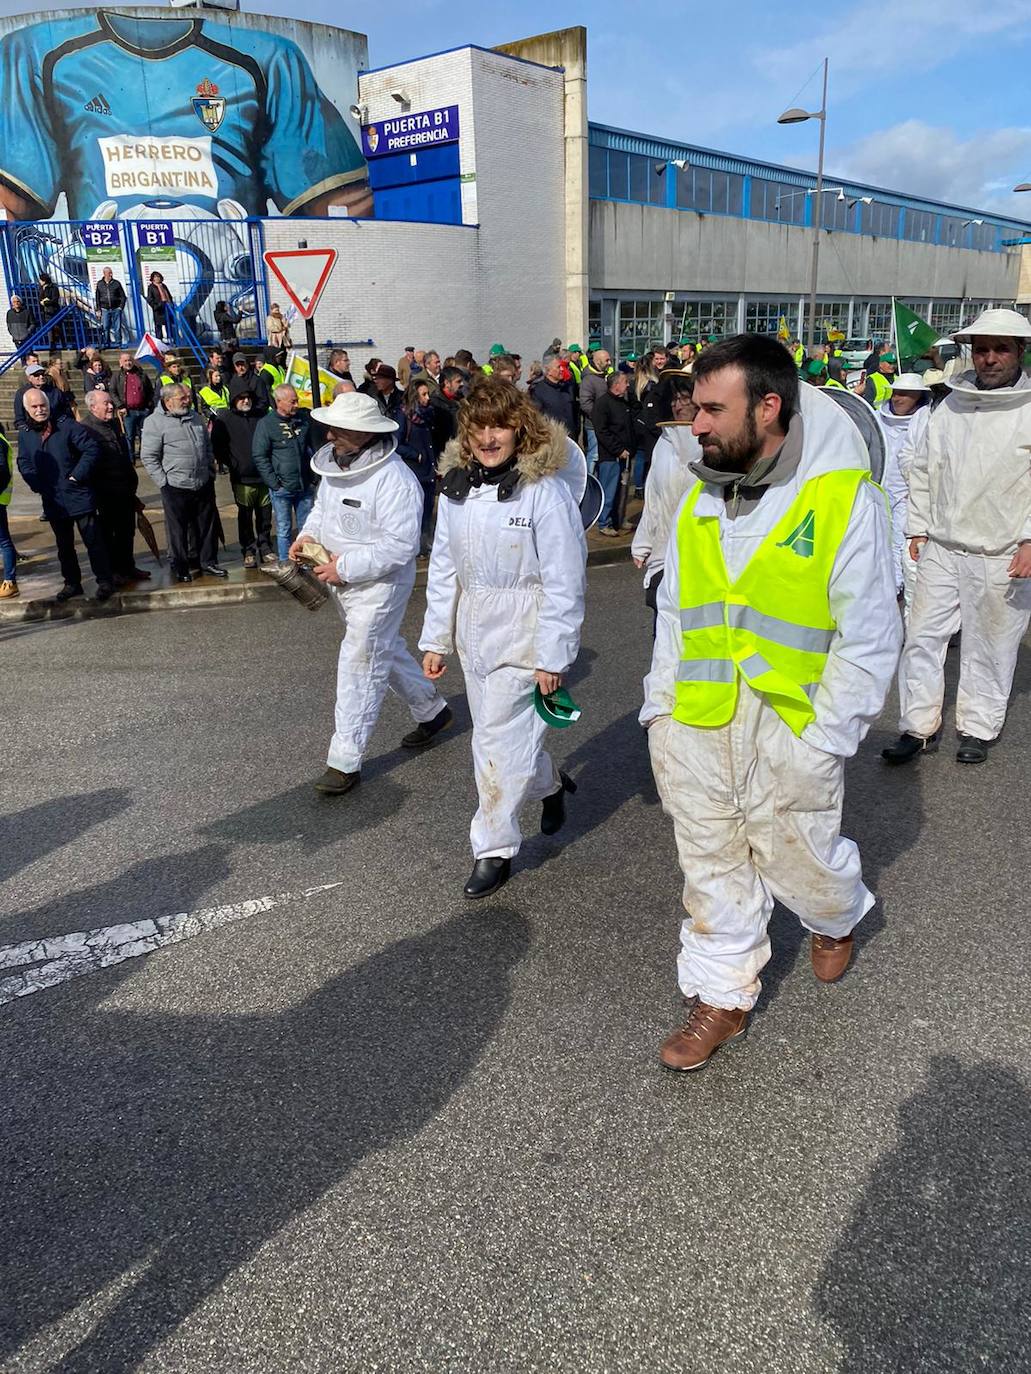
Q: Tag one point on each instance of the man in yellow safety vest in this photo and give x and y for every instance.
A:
(878, 384)
(777, 638)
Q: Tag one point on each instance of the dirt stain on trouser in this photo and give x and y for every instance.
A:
(511, 764)
(757, 818)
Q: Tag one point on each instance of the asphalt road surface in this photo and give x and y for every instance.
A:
(374, 1127)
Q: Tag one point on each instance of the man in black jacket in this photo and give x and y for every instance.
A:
(110, 301)
(554, 398)
(444, 404)
(57, 459)
(282, 456)
(114, 484)
(616, 443)
(245, 378)
(232, 442)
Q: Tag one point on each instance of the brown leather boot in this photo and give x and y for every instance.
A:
(701, 1035)
(830, 957)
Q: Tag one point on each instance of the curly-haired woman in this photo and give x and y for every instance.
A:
(506, 589)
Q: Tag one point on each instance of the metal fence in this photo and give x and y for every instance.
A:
(205, 261)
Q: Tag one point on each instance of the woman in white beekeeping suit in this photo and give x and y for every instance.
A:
(897, 416)
(367, 516)
(669, 478)
(506, 589)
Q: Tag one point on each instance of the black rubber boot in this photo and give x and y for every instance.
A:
(553, 808)
(908, 747)
(487, 876)
(972, 750)
(423, 734)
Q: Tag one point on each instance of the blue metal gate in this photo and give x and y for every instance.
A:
(214, 260)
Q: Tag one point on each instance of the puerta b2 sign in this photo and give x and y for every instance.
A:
(408, 132)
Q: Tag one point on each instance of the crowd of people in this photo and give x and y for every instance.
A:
(786, 586)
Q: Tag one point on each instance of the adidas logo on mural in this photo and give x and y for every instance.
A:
(98, 105)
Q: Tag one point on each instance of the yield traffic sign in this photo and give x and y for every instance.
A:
(303, 274)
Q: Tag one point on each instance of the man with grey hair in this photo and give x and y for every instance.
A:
(176, 451)
(58, 457)
(283, 446)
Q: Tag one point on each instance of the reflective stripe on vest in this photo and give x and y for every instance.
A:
(5, 449)
(773, 625)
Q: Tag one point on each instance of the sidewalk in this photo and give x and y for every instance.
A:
(39, 578)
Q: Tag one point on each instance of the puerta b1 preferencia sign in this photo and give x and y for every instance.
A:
(408, 133)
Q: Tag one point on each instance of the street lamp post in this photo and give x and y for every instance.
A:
(797, 116)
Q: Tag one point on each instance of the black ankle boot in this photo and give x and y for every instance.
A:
(907, 747)
(487, 876)
(553, 808)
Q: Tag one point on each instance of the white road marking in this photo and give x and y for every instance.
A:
(57, 958)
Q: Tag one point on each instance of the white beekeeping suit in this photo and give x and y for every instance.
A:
(896, 430)
(369, 515)
(669, 479)
(970, 499)
(506, 589)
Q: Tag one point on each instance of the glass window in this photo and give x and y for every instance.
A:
(775, 200)
(598, 173)
(878, 320)
(764, 316)
(618, 184)
(594, 324)
(984, 237)
(832, 315)
(836, 213)
(698, 319)
(946, 316)
(735, 193)
(879, 218)
(953, 233)
(719, 193)
(918, 226)
(641, 324)
(647, 184)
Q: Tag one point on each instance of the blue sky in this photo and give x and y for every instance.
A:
(925, 97)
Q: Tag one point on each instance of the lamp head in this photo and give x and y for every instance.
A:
(796, 116)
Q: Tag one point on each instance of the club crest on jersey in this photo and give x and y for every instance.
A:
(209, 106)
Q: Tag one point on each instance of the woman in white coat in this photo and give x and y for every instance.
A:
(367, 515)
(506, 589)
(910, 394)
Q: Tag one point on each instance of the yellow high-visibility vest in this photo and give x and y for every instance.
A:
(772, 626)
(799, 355)
(881, 387)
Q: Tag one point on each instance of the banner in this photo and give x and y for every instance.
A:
(103, 249)
(156, 253)
(298, 375)
(913, 337)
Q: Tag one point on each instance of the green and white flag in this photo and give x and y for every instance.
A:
(914, 337)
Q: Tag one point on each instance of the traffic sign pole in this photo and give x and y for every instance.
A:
(313, 362)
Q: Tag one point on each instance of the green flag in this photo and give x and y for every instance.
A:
(915, 337)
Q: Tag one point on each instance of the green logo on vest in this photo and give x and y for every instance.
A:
(800, 540)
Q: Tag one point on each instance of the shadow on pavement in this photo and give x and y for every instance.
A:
(184, 1143)
(932, 1272)
(28, 835)
(160, 886)
(303, 814)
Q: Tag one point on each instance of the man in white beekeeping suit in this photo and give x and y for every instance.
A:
(367, 515)
(777, 638)
(969, 532)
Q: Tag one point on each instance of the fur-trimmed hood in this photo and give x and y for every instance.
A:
(546, 461)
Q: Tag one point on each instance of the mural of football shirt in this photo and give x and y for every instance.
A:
(105, 107)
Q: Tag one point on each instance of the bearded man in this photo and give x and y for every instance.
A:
(777, 637)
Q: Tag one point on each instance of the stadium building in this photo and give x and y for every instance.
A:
(469, 199)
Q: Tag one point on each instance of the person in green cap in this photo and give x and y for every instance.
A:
(577, 361)
(496, 351)
(506, 589)
(878, 384)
